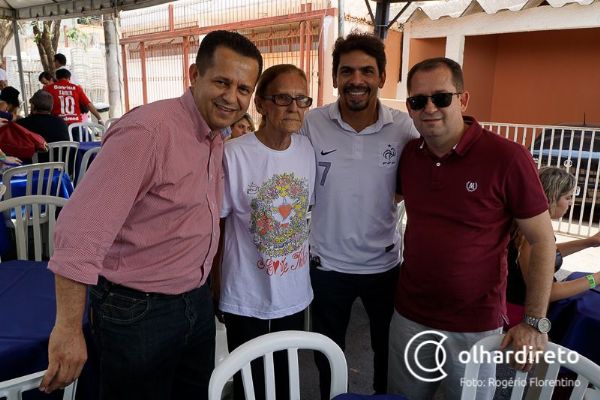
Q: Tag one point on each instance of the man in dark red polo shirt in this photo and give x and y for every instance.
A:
(463, 187)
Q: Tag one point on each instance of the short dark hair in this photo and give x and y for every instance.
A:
(63, 73)
(434, 63)
(11, 96)
(41, 101)
(270, 74)
(60, 58)
(231, 40)
(46, 75)
(365, 42)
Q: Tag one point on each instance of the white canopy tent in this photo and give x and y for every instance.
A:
(20, 10)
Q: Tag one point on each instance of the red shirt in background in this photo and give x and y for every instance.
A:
(68, 98)
(460, 209)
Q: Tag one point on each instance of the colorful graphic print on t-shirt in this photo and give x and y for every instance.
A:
(278, 223)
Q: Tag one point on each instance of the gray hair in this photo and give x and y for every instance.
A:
(42, 101)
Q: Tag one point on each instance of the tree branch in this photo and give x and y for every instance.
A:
(55, 34)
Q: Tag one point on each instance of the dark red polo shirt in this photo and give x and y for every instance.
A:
(460, 208)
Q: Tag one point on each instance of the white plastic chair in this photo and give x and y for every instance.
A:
(109, 122)
(41, 169)
(587, 372)
(264, 346)
(64, 152)
(86, 131)
(221, 349)
(37, 212)
(86, 160)
(14, 388)
(2, 190)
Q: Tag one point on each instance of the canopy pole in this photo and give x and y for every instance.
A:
(20, 66)
(341, 18)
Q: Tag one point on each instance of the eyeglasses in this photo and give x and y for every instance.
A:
(285, 100)
(441, 100)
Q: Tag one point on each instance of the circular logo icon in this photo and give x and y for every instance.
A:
(426, 344)
(471, 186)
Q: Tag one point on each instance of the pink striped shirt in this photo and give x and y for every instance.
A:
(146, 216)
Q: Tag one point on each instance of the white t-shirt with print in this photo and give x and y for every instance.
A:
(265, 269)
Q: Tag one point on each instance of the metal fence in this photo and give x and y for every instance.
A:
(575, 149)
(31, 72)
(160, 43)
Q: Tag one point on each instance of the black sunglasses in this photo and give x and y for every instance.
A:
(286, 100)
(441, 100)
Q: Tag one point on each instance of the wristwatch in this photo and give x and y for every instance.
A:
(542, 325)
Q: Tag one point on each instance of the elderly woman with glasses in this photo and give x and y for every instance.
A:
(269, 180)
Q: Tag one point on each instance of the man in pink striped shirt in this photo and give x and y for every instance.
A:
(142, 230)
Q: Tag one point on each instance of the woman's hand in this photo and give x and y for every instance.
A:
(9, 160)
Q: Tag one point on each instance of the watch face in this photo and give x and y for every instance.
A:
(544, 325)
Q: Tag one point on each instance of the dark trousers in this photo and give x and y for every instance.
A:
(152, 346)
(335, 293)
(241, 329)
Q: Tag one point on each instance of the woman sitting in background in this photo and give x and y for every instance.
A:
(559, 186)
(242, 126)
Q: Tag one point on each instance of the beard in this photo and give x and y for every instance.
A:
(356, 104)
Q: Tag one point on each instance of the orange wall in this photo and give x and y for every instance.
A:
(393, 50)
(479, 68)
(422, 49)
(547, 77)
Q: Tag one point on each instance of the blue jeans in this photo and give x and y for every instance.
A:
(150, 345)
(335, 292)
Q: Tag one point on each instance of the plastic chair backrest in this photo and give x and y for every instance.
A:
(109, 122)
(37, 212)
(64, 152)
(587, 371)
(86, 160)
(264, 346)
(85, 132)
(41, 170)
(221, 349)
(13, 388)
